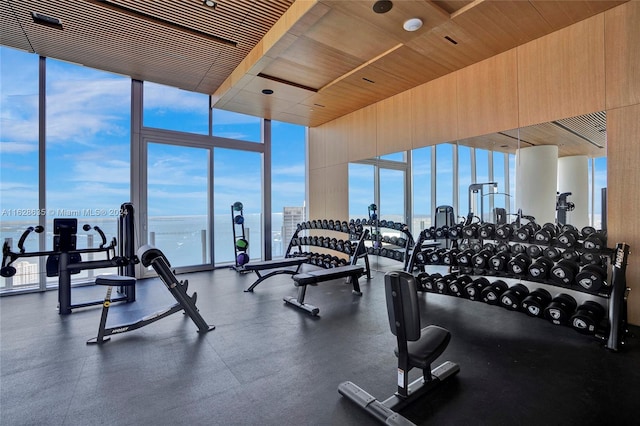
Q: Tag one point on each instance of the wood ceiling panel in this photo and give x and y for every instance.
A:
(350, 35)
(390, 23)
(503, 24)
(409, 65)
(311, 63)
(560, 13)
(12, 33)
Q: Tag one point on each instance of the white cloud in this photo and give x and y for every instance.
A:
(18, 147)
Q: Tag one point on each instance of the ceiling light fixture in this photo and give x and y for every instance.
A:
(49, 21)
(210, 3)
(267, 91)
(412, 24)
(382, 6)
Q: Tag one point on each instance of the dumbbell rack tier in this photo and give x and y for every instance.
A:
(396, 247)
(319, 241)
(611, 295)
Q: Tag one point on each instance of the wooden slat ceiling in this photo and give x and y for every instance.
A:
(172, 42)
(322, 58)
(583, 135)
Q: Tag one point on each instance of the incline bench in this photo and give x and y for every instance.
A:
(352, 272)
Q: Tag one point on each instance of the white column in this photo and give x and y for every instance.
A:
(537, 181)
(573, 176)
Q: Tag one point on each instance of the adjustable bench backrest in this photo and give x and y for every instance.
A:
(402, 306)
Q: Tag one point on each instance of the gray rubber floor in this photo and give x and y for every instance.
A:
(267, 363)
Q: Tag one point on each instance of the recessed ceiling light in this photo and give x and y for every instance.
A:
(412, 24)
(267, 91)
(210, 3)
(382, 6)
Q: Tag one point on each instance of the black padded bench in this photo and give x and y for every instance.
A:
(276, 264)
(352, 272)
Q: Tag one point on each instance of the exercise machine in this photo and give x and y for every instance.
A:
(65, 259)
(417, 348)
(149, 256)
(562, 207)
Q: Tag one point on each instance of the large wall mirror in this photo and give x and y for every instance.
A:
(408, 187)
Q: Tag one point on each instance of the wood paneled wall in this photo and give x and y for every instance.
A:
(590, 66)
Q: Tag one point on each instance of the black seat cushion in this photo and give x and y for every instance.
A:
(432, 342)
(115, 280)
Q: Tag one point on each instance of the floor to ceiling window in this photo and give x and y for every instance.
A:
(178, 202)
(87, 150)
(288, 153)
(237, 176)
(19, 171)
(421, 185)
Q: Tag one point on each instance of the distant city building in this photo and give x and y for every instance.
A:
(26, 273)
(291, 217)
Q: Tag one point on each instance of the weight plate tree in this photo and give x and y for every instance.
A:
(240, 242)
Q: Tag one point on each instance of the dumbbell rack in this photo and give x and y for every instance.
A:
(611, 296)
(397, 247)
(321, 234)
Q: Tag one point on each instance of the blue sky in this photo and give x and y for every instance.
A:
(88, 137)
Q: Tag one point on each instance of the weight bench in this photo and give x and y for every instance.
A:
(149, 256)
(417, 348)
(276, 264)
(352, 272)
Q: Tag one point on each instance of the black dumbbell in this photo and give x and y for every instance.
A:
(535, 303)
(540, 268)
(595, 242)
(519, 264)
(498, 262)
(525, 233)
(552, 253)
(435, 256)
(455, 231)
(534, 251)
(513, 297)
(425, 281)
(564, 272)
(591, 277)
(487, 231)
(470, 231)
(480, 260)
(590, 258)
(422, 257)
(442, 283)
(546, 234)
(568, 237)
(503, 247)
(571, 255)
(588, 317)
(449, 257)
(518, 248)
(465, 258)
(473, 290)
(491, 294)
(586, 231)
(504, 231)
(457, 285)
(561, 308)
(442, 232)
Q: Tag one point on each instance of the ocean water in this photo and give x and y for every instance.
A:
(185, 241)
